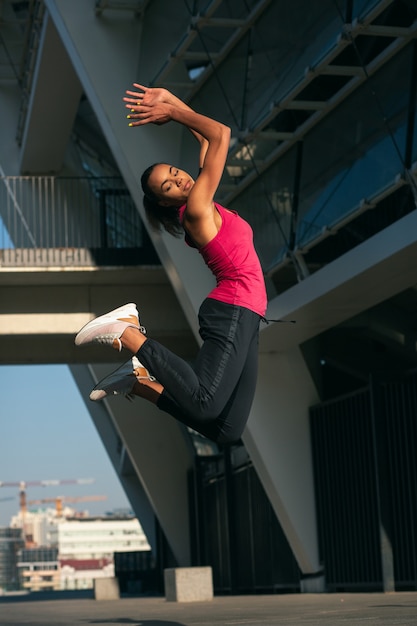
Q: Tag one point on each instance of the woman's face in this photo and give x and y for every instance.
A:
(170, 184)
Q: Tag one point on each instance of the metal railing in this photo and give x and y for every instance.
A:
(55, 220)
(364, 450)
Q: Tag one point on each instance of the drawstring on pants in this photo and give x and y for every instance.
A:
(266, 321)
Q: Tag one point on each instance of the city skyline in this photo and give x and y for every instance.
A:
(46, 433)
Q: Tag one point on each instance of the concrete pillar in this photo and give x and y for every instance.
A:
(277, 438)
(105, 54)
(54, 101)
(158, 452)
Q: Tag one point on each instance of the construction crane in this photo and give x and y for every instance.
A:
(23, 484)
(60, 500)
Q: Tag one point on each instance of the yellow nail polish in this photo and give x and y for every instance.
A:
(130, 124)
(128, 117)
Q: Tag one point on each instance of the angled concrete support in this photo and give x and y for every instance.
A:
(277, 438)
(159, 457)
(52, 106)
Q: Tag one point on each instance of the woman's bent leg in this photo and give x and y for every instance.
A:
(224, 376)
(232, 421)
(230, 424)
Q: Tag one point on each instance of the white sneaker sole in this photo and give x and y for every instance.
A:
(107, 329)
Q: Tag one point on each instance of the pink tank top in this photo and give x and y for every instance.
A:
(232, 258)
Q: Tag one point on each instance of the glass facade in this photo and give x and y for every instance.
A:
(322, 110)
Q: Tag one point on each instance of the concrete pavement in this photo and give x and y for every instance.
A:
(264, 610)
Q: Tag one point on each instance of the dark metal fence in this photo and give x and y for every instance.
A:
(365, 460)
(47, 220)
(239, 535)
(365, 465)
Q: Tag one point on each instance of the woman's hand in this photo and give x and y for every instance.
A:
(146, 95)
(149, 96)
(158, 113)
(143, 105)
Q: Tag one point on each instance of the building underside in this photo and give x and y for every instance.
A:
(321, 99)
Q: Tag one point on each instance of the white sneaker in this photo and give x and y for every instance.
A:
(121, 381)
(107, 329)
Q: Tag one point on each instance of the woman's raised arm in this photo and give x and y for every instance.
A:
(150, 96)
(200, 218)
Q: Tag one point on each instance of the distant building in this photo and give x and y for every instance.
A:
(39, 569)
(75, 550)
(81, 573)
(87, 547)
(37, 526)
(99, 537)
(11, 542)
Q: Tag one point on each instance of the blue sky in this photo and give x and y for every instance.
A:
(46, 433)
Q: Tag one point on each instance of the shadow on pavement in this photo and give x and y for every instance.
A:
(37, 596)
(134, 622)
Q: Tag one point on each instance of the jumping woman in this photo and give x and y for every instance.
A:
(215, 394)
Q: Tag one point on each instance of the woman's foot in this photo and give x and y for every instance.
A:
(107, 329)
(122, 380)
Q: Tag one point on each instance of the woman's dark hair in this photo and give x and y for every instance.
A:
(159, 216)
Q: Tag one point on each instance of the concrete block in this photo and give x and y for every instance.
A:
(188, 584)
(106, 589)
